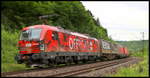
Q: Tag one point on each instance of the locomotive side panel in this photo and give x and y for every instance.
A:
(51, 41)
(96, 46)
(64, 42)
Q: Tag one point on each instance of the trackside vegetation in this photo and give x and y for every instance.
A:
(9, 50)
(70, 15)
(137, 70)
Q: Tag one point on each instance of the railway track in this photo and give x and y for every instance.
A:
(42, 69)
(93, 68)
(70, 70)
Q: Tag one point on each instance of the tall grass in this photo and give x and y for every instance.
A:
(9, 50)
(137, 70)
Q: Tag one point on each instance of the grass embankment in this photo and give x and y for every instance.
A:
(9, 50)
(136, 70)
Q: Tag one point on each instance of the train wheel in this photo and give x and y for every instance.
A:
(103, 58)
(76, 62)
(45, 61)
(84, 61)
(51, 63)
(68, 60)
(57, 60)
(71, 60)
(28, 63)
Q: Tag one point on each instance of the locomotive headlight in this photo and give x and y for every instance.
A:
(28, 45)
(41, 46)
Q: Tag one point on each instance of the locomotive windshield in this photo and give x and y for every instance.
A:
(31, 34)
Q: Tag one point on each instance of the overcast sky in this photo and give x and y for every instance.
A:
(124, 20)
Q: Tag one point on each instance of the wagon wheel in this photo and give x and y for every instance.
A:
(57, 60)
(84, 61)
(51, 63)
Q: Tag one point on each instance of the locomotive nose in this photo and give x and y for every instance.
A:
(29, 47)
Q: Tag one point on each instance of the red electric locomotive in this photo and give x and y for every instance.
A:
(43, 44)
(48, 45)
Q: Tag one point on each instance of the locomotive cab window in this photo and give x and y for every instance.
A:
(24, 35)
(35, 34)
(54, 35)
(31, 34)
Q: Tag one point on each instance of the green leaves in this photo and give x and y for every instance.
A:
(69, 15)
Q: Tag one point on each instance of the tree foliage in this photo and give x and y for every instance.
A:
(68, 14)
